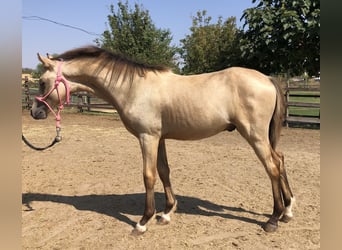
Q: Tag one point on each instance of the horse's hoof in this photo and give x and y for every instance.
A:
(270, 227)
(285, 218)
(164, 219)
(139, 230)
(136, 232)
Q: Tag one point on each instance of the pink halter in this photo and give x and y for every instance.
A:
(59, 78)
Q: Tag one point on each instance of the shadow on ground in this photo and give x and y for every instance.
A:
(118, 205)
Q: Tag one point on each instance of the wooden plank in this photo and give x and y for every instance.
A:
(302, 119)
(303, 104)
(305, 95)
(302, 89)
(101, 106)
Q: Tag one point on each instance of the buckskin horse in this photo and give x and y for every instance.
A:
(156, 104)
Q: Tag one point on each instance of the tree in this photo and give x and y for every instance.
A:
(132, 33)
(209, 47)
(282, 36)
(38, 71)
(26, 70)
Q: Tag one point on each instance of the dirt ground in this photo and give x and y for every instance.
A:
(87, 191)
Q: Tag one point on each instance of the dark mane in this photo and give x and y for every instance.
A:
(118, 64)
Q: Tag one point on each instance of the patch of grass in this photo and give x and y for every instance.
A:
(308, 98)
(302, 111)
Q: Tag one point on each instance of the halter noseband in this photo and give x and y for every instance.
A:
(59, 78)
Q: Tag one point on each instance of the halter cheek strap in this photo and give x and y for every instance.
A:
(59, 79)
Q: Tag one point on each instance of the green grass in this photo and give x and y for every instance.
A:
(304, 111)
(300, 111)
(304, 99)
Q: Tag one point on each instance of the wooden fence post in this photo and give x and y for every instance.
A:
(88, 102)
(80, 103)
(27, 93)
(287, 94)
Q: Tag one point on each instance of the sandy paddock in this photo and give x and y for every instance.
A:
(87, 192)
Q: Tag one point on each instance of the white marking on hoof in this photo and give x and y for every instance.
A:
(288, 209)
(140, 228)
(166, 218)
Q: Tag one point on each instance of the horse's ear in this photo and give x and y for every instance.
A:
(47, 63)
(49, 56)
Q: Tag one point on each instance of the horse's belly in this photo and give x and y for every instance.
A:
(194, 130)
(196, 118)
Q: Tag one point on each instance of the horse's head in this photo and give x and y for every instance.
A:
(51, 92)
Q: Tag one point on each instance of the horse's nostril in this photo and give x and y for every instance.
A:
(41, 114)
(38, 114)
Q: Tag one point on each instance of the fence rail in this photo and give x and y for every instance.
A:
(84, 101)
(305, 100)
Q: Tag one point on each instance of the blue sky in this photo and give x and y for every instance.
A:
(91, 15)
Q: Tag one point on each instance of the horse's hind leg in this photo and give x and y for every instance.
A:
(164, 174)
(272, 163)
(286, 191)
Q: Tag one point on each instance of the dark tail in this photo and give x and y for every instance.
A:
(278, 115)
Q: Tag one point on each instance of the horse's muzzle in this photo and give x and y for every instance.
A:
(39, 113)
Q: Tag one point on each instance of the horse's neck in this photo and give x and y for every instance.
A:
(99, 85)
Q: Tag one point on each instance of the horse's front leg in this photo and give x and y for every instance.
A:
(149, 149)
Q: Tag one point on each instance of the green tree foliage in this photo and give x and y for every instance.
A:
(209, 47)
(26, 70)
(132, 33)
(282, 36)
(38, 71)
